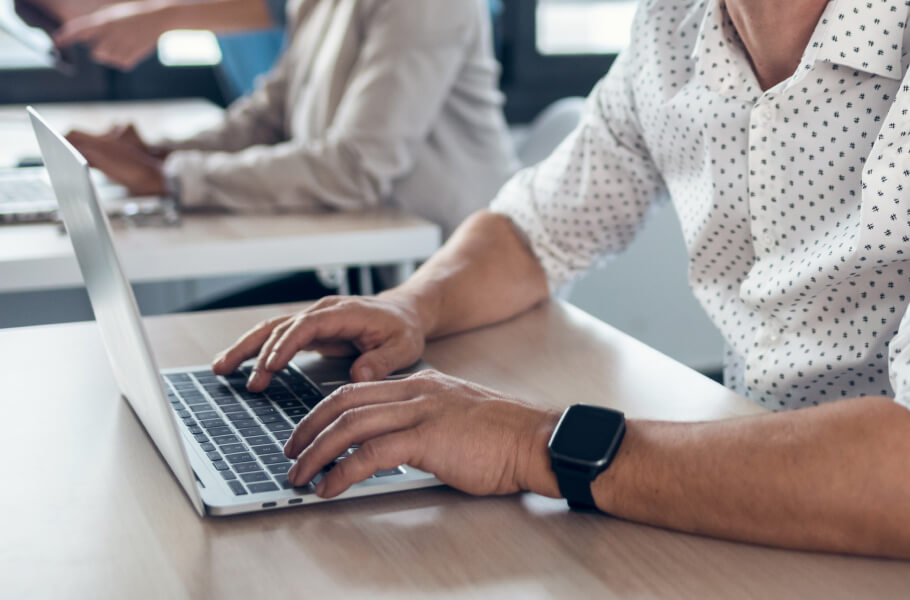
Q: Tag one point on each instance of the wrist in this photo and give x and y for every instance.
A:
(420, 305)
(534, 472)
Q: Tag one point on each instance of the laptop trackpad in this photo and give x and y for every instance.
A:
(330, 374)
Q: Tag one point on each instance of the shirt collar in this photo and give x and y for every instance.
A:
(841, 37)
(865, 35)
(721, 62)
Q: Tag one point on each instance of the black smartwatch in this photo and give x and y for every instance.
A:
(583, 445)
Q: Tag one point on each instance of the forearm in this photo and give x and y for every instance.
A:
(220, 16)
(832, 478)
(483, 275)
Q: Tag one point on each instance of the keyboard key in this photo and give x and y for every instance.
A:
(272, 418)
(259, 440)
(220, 465)
(244, 421)
(283, 436)
(240, 457)
(264, 411)
(255, 477)
(248, 432)
(279, 469)
(388, 472)
(233, 448)
(269, 448)
(249, 467)
(237, 488)
(205, 415)
(208, 446)
(235, 409)
(228, 475)
(213, 456)
(284, 482)
(258, 403)
(219, 431)
(296, 412)
(297, 419)
(275, 459)
(258, 488)
(278, 426)
(201, 438)
(281, 396)
(183, 413)
(213, 424)
(202, 409)
(196, 430)
(226, 439)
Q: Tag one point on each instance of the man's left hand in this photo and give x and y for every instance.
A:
(470, 437)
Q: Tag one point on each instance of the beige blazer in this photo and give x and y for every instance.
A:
(374, 101)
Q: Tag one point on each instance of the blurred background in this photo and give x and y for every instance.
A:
(549, 50)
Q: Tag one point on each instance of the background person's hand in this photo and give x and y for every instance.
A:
(134, 166)
(470, 437)
(120, 35)
(386, 332)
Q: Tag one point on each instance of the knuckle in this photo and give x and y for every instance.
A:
(349, 418)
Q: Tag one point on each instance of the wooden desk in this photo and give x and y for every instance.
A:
(89, 510)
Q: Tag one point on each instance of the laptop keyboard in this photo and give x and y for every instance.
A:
(241, 432)
(26, 198)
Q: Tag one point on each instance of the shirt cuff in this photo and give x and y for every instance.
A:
(185, 177)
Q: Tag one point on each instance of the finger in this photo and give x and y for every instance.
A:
(246, 347)
(355, 426)
(381, 362)
(381, 453)
(346, 398)
(262, 375)
(340, 322)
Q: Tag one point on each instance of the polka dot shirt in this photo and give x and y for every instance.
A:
(794, 201)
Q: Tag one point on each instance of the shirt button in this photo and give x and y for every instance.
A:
(767, 239)
(763, 115)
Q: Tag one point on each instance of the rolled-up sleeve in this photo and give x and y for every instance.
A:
(406, 68)
(587, 200)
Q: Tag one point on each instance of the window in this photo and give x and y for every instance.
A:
(579, 27)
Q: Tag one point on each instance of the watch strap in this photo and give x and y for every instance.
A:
(576, 490)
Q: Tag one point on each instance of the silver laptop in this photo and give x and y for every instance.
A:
(222, 442)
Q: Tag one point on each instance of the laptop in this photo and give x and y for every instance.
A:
(222, 442)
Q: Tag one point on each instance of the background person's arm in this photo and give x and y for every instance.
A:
(121, 34)
(411, 55)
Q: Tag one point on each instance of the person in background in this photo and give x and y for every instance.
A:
(372, 102)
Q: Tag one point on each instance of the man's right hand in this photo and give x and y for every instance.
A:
(385, 330)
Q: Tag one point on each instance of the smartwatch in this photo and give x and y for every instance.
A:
(582, 446)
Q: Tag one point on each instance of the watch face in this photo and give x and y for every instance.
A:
(586, 433)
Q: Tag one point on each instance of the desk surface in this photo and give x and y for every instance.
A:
(36, 257)
(99, 515)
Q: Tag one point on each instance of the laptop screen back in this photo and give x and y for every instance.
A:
(112, 299)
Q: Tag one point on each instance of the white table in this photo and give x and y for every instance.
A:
(39, 258)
